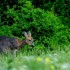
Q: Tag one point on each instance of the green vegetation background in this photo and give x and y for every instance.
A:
(47, 20)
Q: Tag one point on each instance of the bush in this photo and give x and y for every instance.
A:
(60, 7)
(5, 30)
(45, 26)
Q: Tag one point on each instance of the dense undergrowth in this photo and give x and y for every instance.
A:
(47, 28)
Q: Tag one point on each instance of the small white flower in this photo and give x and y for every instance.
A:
(28, 57)
(55, 59)
(24, 67)
(65, 66)
(55, 54)
(49, 55)
(14, 69)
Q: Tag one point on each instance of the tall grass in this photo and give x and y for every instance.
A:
(36, 60)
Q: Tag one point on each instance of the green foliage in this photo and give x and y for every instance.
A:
(46, 27)
(5, 30)
(60, 7)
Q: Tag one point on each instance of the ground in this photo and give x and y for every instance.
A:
(49, 61)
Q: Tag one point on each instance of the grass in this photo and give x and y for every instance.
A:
(30, 60)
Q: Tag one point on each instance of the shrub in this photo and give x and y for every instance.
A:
(5, 30)
(46, 27)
